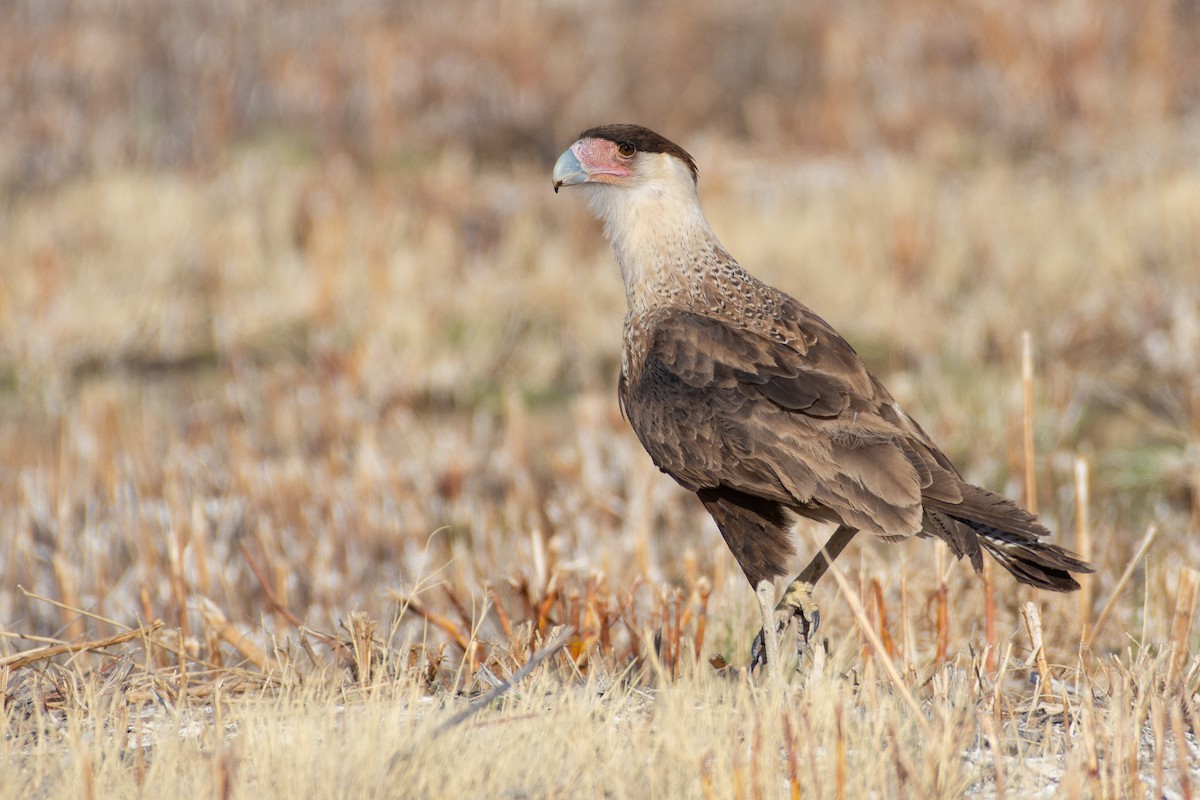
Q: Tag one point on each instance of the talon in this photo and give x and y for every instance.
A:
(758, 648)
(806, 627)
(758, 653)
(798, 602)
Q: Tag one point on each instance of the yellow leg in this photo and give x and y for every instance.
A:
(797, 603)
(768, 638)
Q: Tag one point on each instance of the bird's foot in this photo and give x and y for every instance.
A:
(797, 603)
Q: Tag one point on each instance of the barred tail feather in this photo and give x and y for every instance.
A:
(1009, 533)
(1042, 565)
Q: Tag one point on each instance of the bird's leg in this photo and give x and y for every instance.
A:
(798, 603)
(766, 644)
(798, 600)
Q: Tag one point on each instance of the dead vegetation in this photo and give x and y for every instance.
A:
(309, 445)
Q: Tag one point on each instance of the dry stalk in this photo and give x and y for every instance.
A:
(989, 617)
(229, 633)
(703, 591)
(640, 517)
(902, 772)
(411, 603)
(1158, 729)
(629, 615)
(814, 767)
(861, 615)
(199, 541)
(277, 604)
(525, 592)
(1182, 619)
(600, 600)
(1193, 718)
(154, 655)
(1090, 743)
(675, 620)
(1146, 606)
(840, 762)
(997, 696)
(547, 602)
(864, 649)
(992, 729)
(501, 614)
(576, 649)
(739, 786)
(882, 618)
(1143, 546)
(362, 641)
(226, 764)
(30, 637)
(68, 586)
(178, 584)
(756, 761)
(685, 609)
(1083, 540)
(19, 660)
(1182, 765)
(906, 630)
(181, 692)
(941, 598)
(74, 610)
(139, 758)
(1133, 741)
(1066, 714)
(464, 616)
(279, 574)
(88, 775)
(1033, 627)
(212, 643)
(793, 762)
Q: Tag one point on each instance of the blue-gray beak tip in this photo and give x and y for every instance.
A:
(568, 171)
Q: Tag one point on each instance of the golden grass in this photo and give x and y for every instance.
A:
(305, 449)
(352, 509)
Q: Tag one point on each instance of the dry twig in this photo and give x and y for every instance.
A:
(19, 660)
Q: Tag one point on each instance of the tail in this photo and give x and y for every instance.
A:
(1009, 533)
(1039, 564)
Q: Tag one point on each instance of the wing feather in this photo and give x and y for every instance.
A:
(794, 420)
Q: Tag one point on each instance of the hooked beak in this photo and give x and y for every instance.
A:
(568, 171)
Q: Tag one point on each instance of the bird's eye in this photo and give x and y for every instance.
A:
(626, 149)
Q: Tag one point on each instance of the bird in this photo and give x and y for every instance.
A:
(750, 400)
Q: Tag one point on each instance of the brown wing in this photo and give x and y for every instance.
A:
(795, 418)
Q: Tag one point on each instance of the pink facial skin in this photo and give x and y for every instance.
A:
(603, 162)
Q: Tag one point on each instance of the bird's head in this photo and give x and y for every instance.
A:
(635, 178)
(623, 155)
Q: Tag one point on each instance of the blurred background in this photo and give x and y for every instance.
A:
(175, 85)
(287, 277)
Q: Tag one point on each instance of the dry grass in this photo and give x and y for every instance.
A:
(309, 441)
(85, 84)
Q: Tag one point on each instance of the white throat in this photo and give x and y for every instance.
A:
(659, 235)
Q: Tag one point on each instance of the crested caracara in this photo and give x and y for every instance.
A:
(749, 399)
